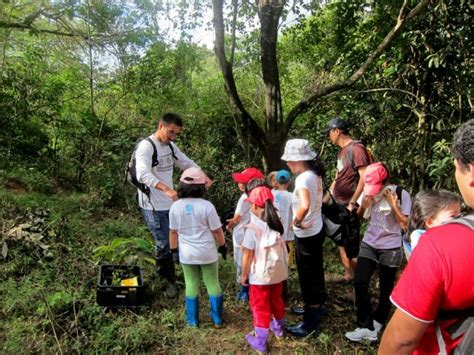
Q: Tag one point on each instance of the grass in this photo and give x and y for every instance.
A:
(48, 303)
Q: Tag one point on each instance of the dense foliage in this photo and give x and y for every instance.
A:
(82, 82)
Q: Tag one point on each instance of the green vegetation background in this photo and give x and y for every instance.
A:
(73, 108)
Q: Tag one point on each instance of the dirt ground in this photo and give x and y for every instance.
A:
(339, 318)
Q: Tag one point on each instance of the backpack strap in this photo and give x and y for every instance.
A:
(466, 220)
(154, 157)
(465, 316)
(172, 151)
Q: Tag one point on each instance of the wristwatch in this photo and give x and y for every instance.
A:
(296, 224)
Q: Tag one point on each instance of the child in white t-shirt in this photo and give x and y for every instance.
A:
(236, 224)
(271, 179)
(265, 268)
(282, 204)
(431, 209)
(195, 227)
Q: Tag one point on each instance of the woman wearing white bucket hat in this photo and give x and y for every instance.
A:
(308, 229)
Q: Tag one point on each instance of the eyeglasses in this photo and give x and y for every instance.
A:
(171, 133)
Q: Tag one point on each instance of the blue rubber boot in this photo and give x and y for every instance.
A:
(192, 311)
(243, 294)
(217, 305)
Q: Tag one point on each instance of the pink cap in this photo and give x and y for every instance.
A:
(374, 175)
(193, 176)
(248, 174)
(260, 195)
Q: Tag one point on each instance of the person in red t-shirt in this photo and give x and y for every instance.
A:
(352, 160)
(440, 274)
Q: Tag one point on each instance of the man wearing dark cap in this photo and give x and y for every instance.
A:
(352, 160)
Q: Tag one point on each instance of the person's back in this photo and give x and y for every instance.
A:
(236, 225)
(440, 274)
(441, 269)
(283, 202)
(264, 268)
(195, 228)
(191, 217)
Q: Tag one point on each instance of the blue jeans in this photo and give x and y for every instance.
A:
(158, 225)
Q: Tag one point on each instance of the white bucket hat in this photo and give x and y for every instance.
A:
(298, 150)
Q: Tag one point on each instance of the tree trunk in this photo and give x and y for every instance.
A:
(271, 138)
(270, 13)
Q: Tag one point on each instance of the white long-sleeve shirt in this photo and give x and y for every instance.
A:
(163, 172)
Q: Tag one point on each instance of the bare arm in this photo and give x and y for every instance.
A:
(392, 199)
(173, 238)
(303, 206)
(327, 198)
(233, 222)
(359, 188)
(172, 194)
(219, 236)
(246, 261)
(402, 334)
(367, 202)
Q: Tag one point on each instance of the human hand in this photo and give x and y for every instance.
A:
(301, 225)
(223, 251)
(391, 198)
(230, 225)
(175, 255)
(244, 280)
(351, 206)
(367, 202)
(208, 182)
(172, 194)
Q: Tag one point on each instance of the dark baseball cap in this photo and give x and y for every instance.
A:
(337, 123)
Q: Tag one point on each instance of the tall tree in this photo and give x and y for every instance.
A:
(270, 136)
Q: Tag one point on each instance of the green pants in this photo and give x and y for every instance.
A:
(210, 275)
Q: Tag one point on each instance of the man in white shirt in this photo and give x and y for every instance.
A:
(158, 176)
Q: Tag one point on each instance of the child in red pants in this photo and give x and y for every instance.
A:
(265, 265)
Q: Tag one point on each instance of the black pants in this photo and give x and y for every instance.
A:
(309, 261)
(364, 271)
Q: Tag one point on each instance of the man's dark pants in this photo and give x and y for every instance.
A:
(158, 224)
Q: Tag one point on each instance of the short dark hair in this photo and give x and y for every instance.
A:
(191, 190)
(171, 118)
(463, 144)
(256, 182)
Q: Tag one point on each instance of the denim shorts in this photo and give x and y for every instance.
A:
(387, 257)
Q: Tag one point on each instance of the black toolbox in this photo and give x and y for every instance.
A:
(110, 294)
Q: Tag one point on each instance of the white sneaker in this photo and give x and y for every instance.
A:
(360, 334)
(377, 326)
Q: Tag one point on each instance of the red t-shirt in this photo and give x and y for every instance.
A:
(439, 275)
(347, 178)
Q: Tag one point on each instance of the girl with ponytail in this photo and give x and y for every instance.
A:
(265, 266)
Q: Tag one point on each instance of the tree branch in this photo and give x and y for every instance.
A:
(305, 104)
(388, 89)
(30, 27)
